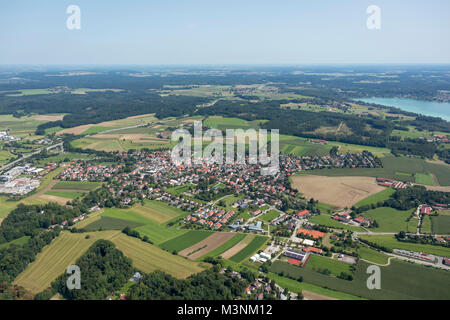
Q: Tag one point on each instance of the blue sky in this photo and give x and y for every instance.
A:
(224, 32)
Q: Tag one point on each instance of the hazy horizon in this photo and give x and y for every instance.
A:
(201, 32)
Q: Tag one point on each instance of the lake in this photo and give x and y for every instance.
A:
(428, 108)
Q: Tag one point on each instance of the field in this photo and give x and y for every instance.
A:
(426, 227)
(18, 242)
(250, 249)
(391, 220)
(326, 220)
(205, 246)
(441, 224)
(372, 255)
(108, 223)
(149, 258)
(185, 240)
(399, 280)
(23, 126)
(389, 241)
(377, 197)
(56, 257)
(221, 123)
(225, 246)
(426, 179)
(399, 168)
(159, 233)
(337, 191)
(68, 195)
(157, 211)
(316, 262)
(76, 185)
(270, 215)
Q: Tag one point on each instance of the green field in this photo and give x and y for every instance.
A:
(426, 179)
(390, 242)
(399, 280)
(441, 224)
(326, 220)
(62, 194)
(158, 211)
(391, 220)
(425, 227)
(185, 240)
(270, 215)
(316, 263)
(159, 233)
(149, 258)
(97, 129)
(17, 242)
(108, 223)
(224, 247)
(125, 214)
(221, 123)
(250, 249)
(373, 199)
(372, 255)
(76, 185)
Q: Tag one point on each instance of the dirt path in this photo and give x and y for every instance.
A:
(315, 296)
(41, 192)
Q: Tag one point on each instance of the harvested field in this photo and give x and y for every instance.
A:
(241, 245)
(49, 117)
(148, 258)
(203, 247)
(337, 191)
(314, 296)
(437, 188)
(56, 199)
(53, 260)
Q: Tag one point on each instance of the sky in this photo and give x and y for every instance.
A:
(203, 32)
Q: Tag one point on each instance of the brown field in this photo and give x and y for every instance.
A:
(57, 199)
(238, 247)
(438, 188)
(203, 247)
(337, 191)
(135, 137)
(76, 130)
(49, 117)
(314, 296)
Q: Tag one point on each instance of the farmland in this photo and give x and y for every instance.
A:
(377, 197)
(398, 168)
(391, 220)
(338, 191)
(317, 263)
(108, 223)
(441, 224)
(157, 211)
(185, 240)
(225, 246)
(149, 258)
(251, 248)
(399, 281)
(205, 246)
(56, 257)
(390, 242)
(76, 185)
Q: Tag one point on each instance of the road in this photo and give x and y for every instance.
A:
(8, 165)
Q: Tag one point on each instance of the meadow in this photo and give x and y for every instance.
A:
(372, 255)
(373, 199)
(108, 223)
(391, 220)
